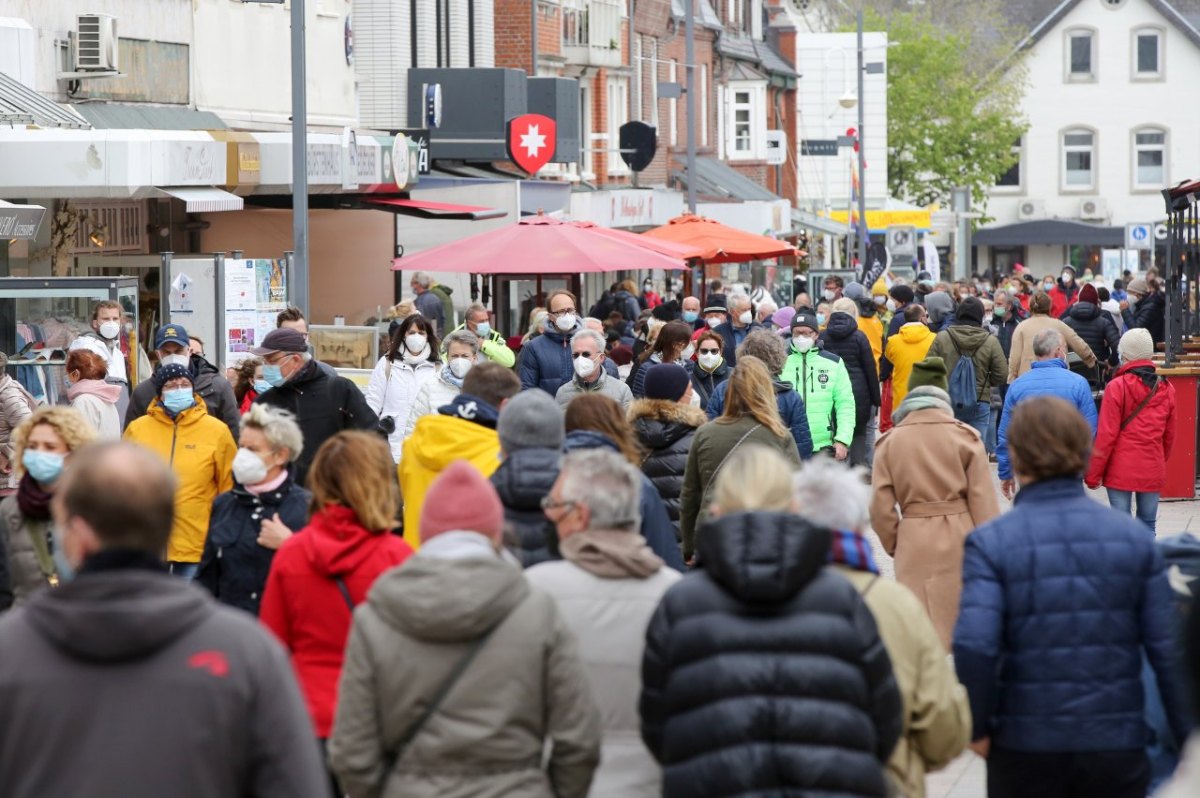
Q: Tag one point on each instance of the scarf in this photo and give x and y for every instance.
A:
(922, 398)
(852, 550)
(611, 554)
(268, 486)
(418, 358)
(105, 391)
(32, 500)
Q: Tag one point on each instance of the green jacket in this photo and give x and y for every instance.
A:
(823, 383)
(443, 293)
(494, 348)
(991, 368)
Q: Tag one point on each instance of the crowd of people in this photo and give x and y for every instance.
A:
(627, 554)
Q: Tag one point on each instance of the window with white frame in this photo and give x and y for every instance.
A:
(673, 105)
(1147, 53)
(745, 120)
(1079, 155)
(654, 83)
(1149, 158)
(587, 157)
(618, 114)
(1080, 54)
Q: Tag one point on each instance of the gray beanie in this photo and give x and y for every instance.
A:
(530, 420)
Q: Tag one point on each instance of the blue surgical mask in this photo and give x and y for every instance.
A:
(177, 400)
(273, 375)
(44, 467)
(821, 318)
(262, 386)
(690, 316)
(483, 329)
(62, 566)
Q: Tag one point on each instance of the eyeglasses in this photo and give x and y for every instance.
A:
(710, 351)
(548, 503)
(562, 312)
(588, 355)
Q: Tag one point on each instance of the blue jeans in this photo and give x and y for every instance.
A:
(184, 570)
(1147, 505)
(989, 440)
(983, 417)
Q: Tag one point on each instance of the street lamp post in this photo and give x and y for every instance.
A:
(299, 286)
(689, 32)
(862, 153)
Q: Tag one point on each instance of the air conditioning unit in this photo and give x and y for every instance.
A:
(1028, 210)
(95, 43)
(1093, 209)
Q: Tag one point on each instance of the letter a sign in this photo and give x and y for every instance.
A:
(531, 141)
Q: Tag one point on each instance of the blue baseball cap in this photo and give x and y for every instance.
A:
(171, 333)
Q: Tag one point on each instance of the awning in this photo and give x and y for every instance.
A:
(1049, 232)
(817, 224)
(878, 221)
(427, 209)
(205, 200)
(122, 116)
(21, 105)
(716, 180)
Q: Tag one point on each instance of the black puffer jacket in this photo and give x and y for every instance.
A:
(1096, 328)
(705, 383)
(1149, 314)
(843, 338)
(666, 430)
(233, 566)
(524, 477)
(764, 673)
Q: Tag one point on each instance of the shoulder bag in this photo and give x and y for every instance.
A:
(1153, 390)
(721, 465)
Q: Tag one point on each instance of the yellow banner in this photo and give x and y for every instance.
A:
(881, 220)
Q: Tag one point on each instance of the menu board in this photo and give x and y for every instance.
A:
(256, 290)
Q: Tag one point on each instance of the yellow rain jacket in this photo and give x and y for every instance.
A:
(904, 349)
(200, 450)
(436, 442)
(872, 327)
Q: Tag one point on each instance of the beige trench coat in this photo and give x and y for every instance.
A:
(932, 486)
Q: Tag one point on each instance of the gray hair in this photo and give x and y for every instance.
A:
(1046, 343)
(767, 347)
(591, 323)
(279, 427)
(422, 279)
(606, 482)
(475, 308)
(461, 337)
(591, 335)
(736, 300)
(829, 494)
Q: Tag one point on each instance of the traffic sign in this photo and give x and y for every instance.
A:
(776, 147)
(816, 147)
(1139, 236)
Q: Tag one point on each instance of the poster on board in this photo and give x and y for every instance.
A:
(256, 291)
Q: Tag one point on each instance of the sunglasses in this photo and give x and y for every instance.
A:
(578, 355)
(710, 351)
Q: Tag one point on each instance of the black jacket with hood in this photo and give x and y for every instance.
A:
(523, 478)
(843, 338)
(1149, 314)
(132, 683)
(764, 673)
(1096, 328)
(207, 381)
(665, 430)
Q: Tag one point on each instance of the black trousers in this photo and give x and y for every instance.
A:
(1091, 774)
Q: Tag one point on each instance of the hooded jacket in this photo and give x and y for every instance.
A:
(981, 346)
(97, 400)
(1134, 458)
(430, 304)
(545, 361)
(1096, 328)
(189, 692)
(324, 404)
(764, 673)
(824, 384)
(524, 477)
(791, 410)
(940, 306)
(305, 608)
(443, 292)
(1045, 378)
(843, 338)
(524, 693)
(1150, 313)
(200, 450)
(665, 430)
(234, 567)
(1063, 297)
(207, 382)
(465, 429)
(656, 527)
(392, 391)
(904, 350)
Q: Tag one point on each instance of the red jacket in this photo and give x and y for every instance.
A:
(248, 400)
(305, 609)
(1134, 458)
(1061, 299)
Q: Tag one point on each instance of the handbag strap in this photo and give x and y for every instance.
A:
(345, 591)
(724, 459)
(1140, 407)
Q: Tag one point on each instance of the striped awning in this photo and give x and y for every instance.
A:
(204, 200)
(21, 105)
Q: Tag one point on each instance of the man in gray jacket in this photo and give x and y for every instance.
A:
(128, 682)
(587, 359)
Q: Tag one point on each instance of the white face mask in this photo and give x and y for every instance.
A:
(110, 330)
(879, 300)
(415, 342)
(746, 317)
(248, 468)
(687, 353)
(565, 322)
(584, 366)
(891, 305)
(694, 399)
(829, 294)
(713, 322)
(802, 343)
(459, 366)
(709, 362)
(177, 360)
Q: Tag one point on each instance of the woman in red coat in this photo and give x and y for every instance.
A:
(331, 564)
(1136, 431)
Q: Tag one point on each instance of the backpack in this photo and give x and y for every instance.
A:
(963, 390)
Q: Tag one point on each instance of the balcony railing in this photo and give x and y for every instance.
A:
(592, 32)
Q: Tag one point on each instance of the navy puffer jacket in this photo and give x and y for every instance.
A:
(1060, 596)
(665, 430)
(233, 566)
(764, 673)
(546, 361)
(523, 478)
(843, 338)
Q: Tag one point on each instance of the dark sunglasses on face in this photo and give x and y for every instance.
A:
(710, 351)
(578, 355)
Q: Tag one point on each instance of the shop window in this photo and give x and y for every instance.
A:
(1081, 54)
(1078, 152)
(1150, 158)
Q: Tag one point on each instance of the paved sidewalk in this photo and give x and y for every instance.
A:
(966, 777)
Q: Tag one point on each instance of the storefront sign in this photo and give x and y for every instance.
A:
(401, 160)
(194, 163)
(349, 159)
(632, 208)
(324, 163)
(368, 171)
(20, 221)
(420, 135)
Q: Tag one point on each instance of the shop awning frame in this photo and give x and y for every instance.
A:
(1049, 232)
(428, 209)
(204, 200)
(20, 104)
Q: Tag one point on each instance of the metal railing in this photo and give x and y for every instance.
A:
(1182, 267)
(591, 32)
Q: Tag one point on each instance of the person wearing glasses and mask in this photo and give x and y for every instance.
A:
(200, 451)
(323, 404)
(491, 343)
(711, 369)
(172, 345)
(546, 360)
(587, 357)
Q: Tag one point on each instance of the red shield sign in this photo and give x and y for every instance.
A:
(531, 141)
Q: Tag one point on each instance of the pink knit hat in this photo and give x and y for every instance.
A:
(461, 499)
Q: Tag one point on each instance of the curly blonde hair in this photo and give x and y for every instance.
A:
(70, 425)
